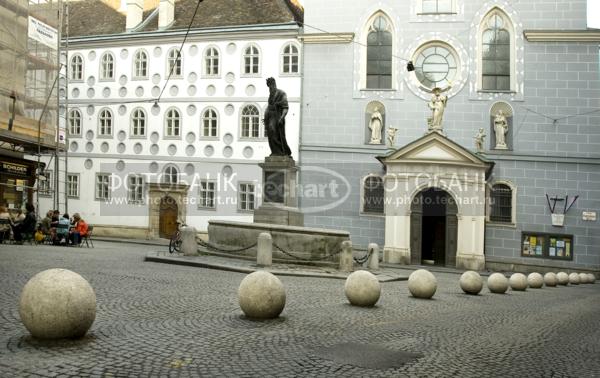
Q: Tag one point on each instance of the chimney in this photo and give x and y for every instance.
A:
(166, 13)
(135, 10)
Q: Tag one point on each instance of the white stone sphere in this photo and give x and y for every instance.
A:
(518, 281)
(583, 278)
(261, 295)
(471, 282)
(497, 283)
(574, 279)
(422, 284)
(57, 304)
(535, 280)
(563, 278)
(362, 288)
(550, 279)
(592, 278)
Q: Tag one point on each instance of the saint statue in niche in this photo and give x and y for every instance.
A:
(437, 104)
(500, 129)
(376, 125)
(479, 139)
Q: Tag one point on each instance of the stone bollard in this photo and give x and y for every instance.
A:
(189, 246)
(264, 249)
(346, 258)
(373, 262)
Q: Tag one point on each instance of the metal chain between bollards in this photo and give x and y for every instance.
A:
(365, 258)
(304, 259)
(219, 249)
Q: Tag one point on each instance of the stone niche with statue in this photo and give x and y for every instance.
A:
(279, 214)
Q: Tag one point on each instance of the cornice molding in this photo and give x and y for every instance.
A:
(326, 38)
(562, 35)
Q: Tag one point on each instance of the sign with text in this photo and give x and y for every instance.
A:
(43, 33)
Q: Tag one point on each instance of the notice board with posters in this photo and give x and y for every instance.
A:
(545, 245)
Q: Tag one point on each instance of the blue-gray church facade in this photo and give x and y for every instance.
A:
(486, 155)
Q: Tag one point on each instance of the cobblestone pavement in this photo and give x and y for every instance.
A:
(169, 320)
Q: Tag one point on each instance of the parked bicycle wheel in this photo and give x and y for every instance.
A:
(175, 243)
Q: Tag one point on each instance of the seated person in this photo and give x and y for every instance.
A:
(46, 223)
(79, 231)
(62, 229)
(27, 225)
(5, 223)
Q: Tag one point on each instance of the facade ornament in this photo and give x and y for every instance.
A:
(391, 136)
(376, 125)
(437, 104)
(479, 140)
(500, 129)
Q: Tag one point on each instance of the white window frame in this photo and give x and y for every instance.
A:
(168, 173)
(453, 8)
(73, 120)
(283, 55)
(510, 27)
(135, 190)
(243, 191)
(451, 49)
(207, 196)
(76, 67)
(102, 119)
(106, 185)
(208, 70)
(513, 203)
(171, 60)
(259, 123)
(252, 56)
(134, 119)
(204, 119)
(107, 67)
(170, 118)
(137, 65)
(45, 186)
(73, 183)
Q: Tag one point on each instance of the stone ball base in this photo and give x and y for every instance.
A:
(261, 295)
(550, 279)
(535, 280)
(57, 304)
(592, 278)
(471, 282)
(562, 278)
(497, 283)
(422, 284)
(518, 282)
(574, 279)
(362, 289)
(584, 278)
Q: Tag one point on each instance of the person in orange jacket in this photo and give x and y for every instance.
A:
(78, 231)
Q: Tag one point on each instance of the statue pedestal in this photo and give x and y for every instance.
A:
(280, 200)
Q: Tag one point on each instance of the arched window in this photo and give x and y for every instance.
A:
(74, 122)
(170, 175)
(174, 63)
(501, 203)
(496, 52)
(379, 54)
(77, 68)
(105, 122)
(373, 195)
(140, 64)
(290, 59)
(173, 123)
(211, 62)
(250, 122)
(138, 123)
(209, 123)
(251, 60)
(107, 67)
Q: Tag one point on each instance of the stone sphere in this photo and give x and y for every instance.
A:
(574, 279)
(563, 278)
(362, 288)
(535, 280)
(471, 282)
(261, 295)
(550, 279)
(518, 281)
(497, 283)
(422, 284)
(57, 304)
(583, 278)
(592, 278)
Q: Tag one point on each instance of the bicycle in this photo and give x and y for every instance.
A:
(175, 242)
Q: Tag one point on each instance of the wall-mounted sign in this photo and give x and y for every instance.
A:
(558, 220)
(42, 33)
(14, 169)
(589, 216)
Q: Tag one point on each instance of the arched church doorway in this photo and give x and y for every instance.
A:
(433, 228)
(167, 223)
